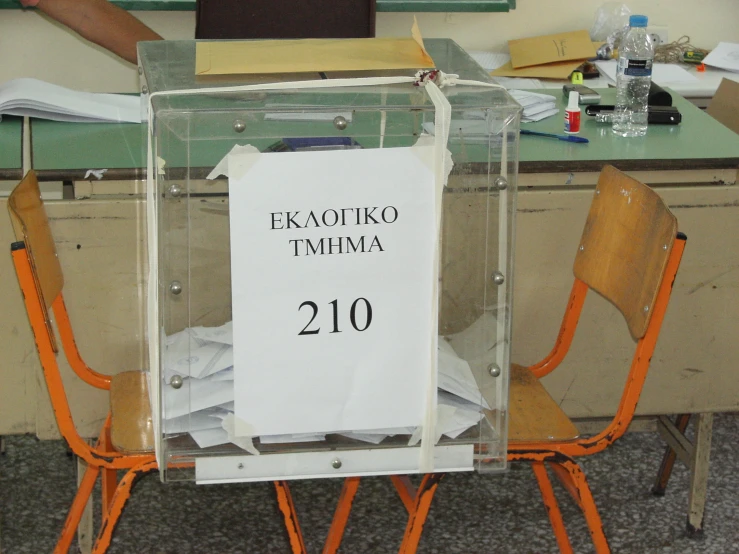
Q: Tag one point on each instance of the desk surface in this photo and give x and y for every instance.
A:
(67, 150)
(699, 142)
(11, 140)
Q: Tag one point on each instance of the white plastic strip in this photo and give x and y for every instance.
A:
(310, 465)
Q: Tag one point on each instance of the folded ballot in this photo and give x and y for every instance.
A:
(34, 98)
(203, 406)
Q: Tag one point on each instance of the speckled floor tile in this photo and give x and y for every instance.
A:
(471, 514)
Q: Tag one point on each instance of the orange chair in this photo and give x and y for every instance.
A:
(126, 441)
(629, 253)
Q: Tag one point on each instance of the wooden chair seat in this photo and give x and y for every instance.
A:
(534, 416)
(131, 426)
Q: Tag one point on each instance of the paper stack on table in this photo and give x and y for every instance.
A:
(491, 61)
(34, 98)
(724, 56)
(662, 73)
(203, 406)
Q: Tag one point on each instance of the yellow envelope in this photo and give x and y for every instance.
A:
(560, 70)
(311, 55)
(575, 45)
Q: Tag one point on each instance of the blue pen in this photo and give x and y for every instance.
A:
(568, 138)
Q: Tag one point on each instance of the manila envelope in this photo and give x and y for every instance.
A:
(560, 70)
(311, 55)
(575, 45)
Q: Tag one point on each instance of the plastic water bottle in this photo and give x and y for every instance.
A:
(635, 56)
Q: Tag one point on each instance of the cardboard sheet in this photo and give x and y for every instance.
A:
(560, 70)
(311, 55)
(724, 105)
(575, 45)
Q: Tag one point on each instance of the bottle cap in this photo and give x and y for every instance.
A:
(573, 100)
(638, 20)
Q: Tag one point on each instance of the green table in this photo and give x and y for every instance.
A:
(65, 151)
(699, 142)
(11, 140)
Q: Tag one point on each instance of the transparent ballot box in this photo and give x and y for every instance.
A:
(331, 265)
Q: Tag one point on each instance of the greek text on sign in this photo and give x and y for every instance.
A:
(332, 270)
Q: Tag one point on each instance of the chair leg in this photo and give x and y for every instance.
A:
(699, 473)
(290, 516)
(76, 510)
(341, 515)
(406, 490)
(668, 460)
(417, 517)
(121, 496)
(550, 502)
(109, 477)
(573, 479)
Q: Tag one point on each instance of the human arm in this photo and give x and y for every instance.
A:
(100, 22)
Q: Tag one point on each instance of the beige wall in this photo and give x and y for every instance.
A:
(31, 46)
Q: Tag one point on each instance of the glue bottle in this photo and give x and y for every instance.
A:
(572, 114)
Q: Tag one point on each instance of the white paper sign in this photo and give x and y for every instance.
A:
(332, 272)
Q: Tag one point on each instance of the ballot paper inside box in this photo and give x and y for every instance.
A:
(324, 300)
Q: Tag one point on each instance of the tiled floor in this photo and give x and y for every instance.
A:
(471, 513)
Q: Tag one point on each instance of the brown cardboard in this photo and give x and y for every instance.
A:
(724, 106)
(559, 70)
(311, 55)
(575, 45)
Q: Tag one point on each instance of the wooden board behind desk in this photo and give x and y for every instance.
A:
(694, 167)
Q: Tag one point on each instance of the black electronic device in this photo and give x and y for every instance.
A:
(659, 115)
(587, 95)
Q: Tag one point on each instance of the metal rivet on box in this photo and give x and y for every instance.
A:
(340, 122)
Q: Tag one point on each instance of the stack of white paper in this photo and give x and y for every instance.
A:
(536, 106)
(491, 61)
(203, 406)
(34, 98)
(724, 56)
(662, 73)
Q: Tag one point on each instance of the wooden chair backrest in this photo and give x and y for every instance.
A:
(289, 19)
(31, 225)
(625, 246)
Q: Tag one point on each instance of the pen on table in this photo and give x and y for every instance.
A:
(567, 138)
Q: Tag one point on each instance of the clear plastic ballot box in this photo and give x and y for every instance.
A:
(330, 273)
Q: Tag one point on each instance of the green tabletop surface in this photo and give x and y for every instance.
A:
(11, 141)
(67, 150)
(62, 151)
(698, 142)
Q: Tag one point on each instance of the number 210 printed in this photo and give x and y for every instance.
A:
(359, 323)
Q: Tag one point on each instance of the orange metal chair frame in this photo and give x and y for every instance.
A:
(100, 459)
(103, 460)
(416, 501)
(558, 456)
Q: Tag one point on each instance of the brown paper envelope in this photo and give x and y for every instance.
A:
(575, 45)
(559, 70)
(309, 55)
